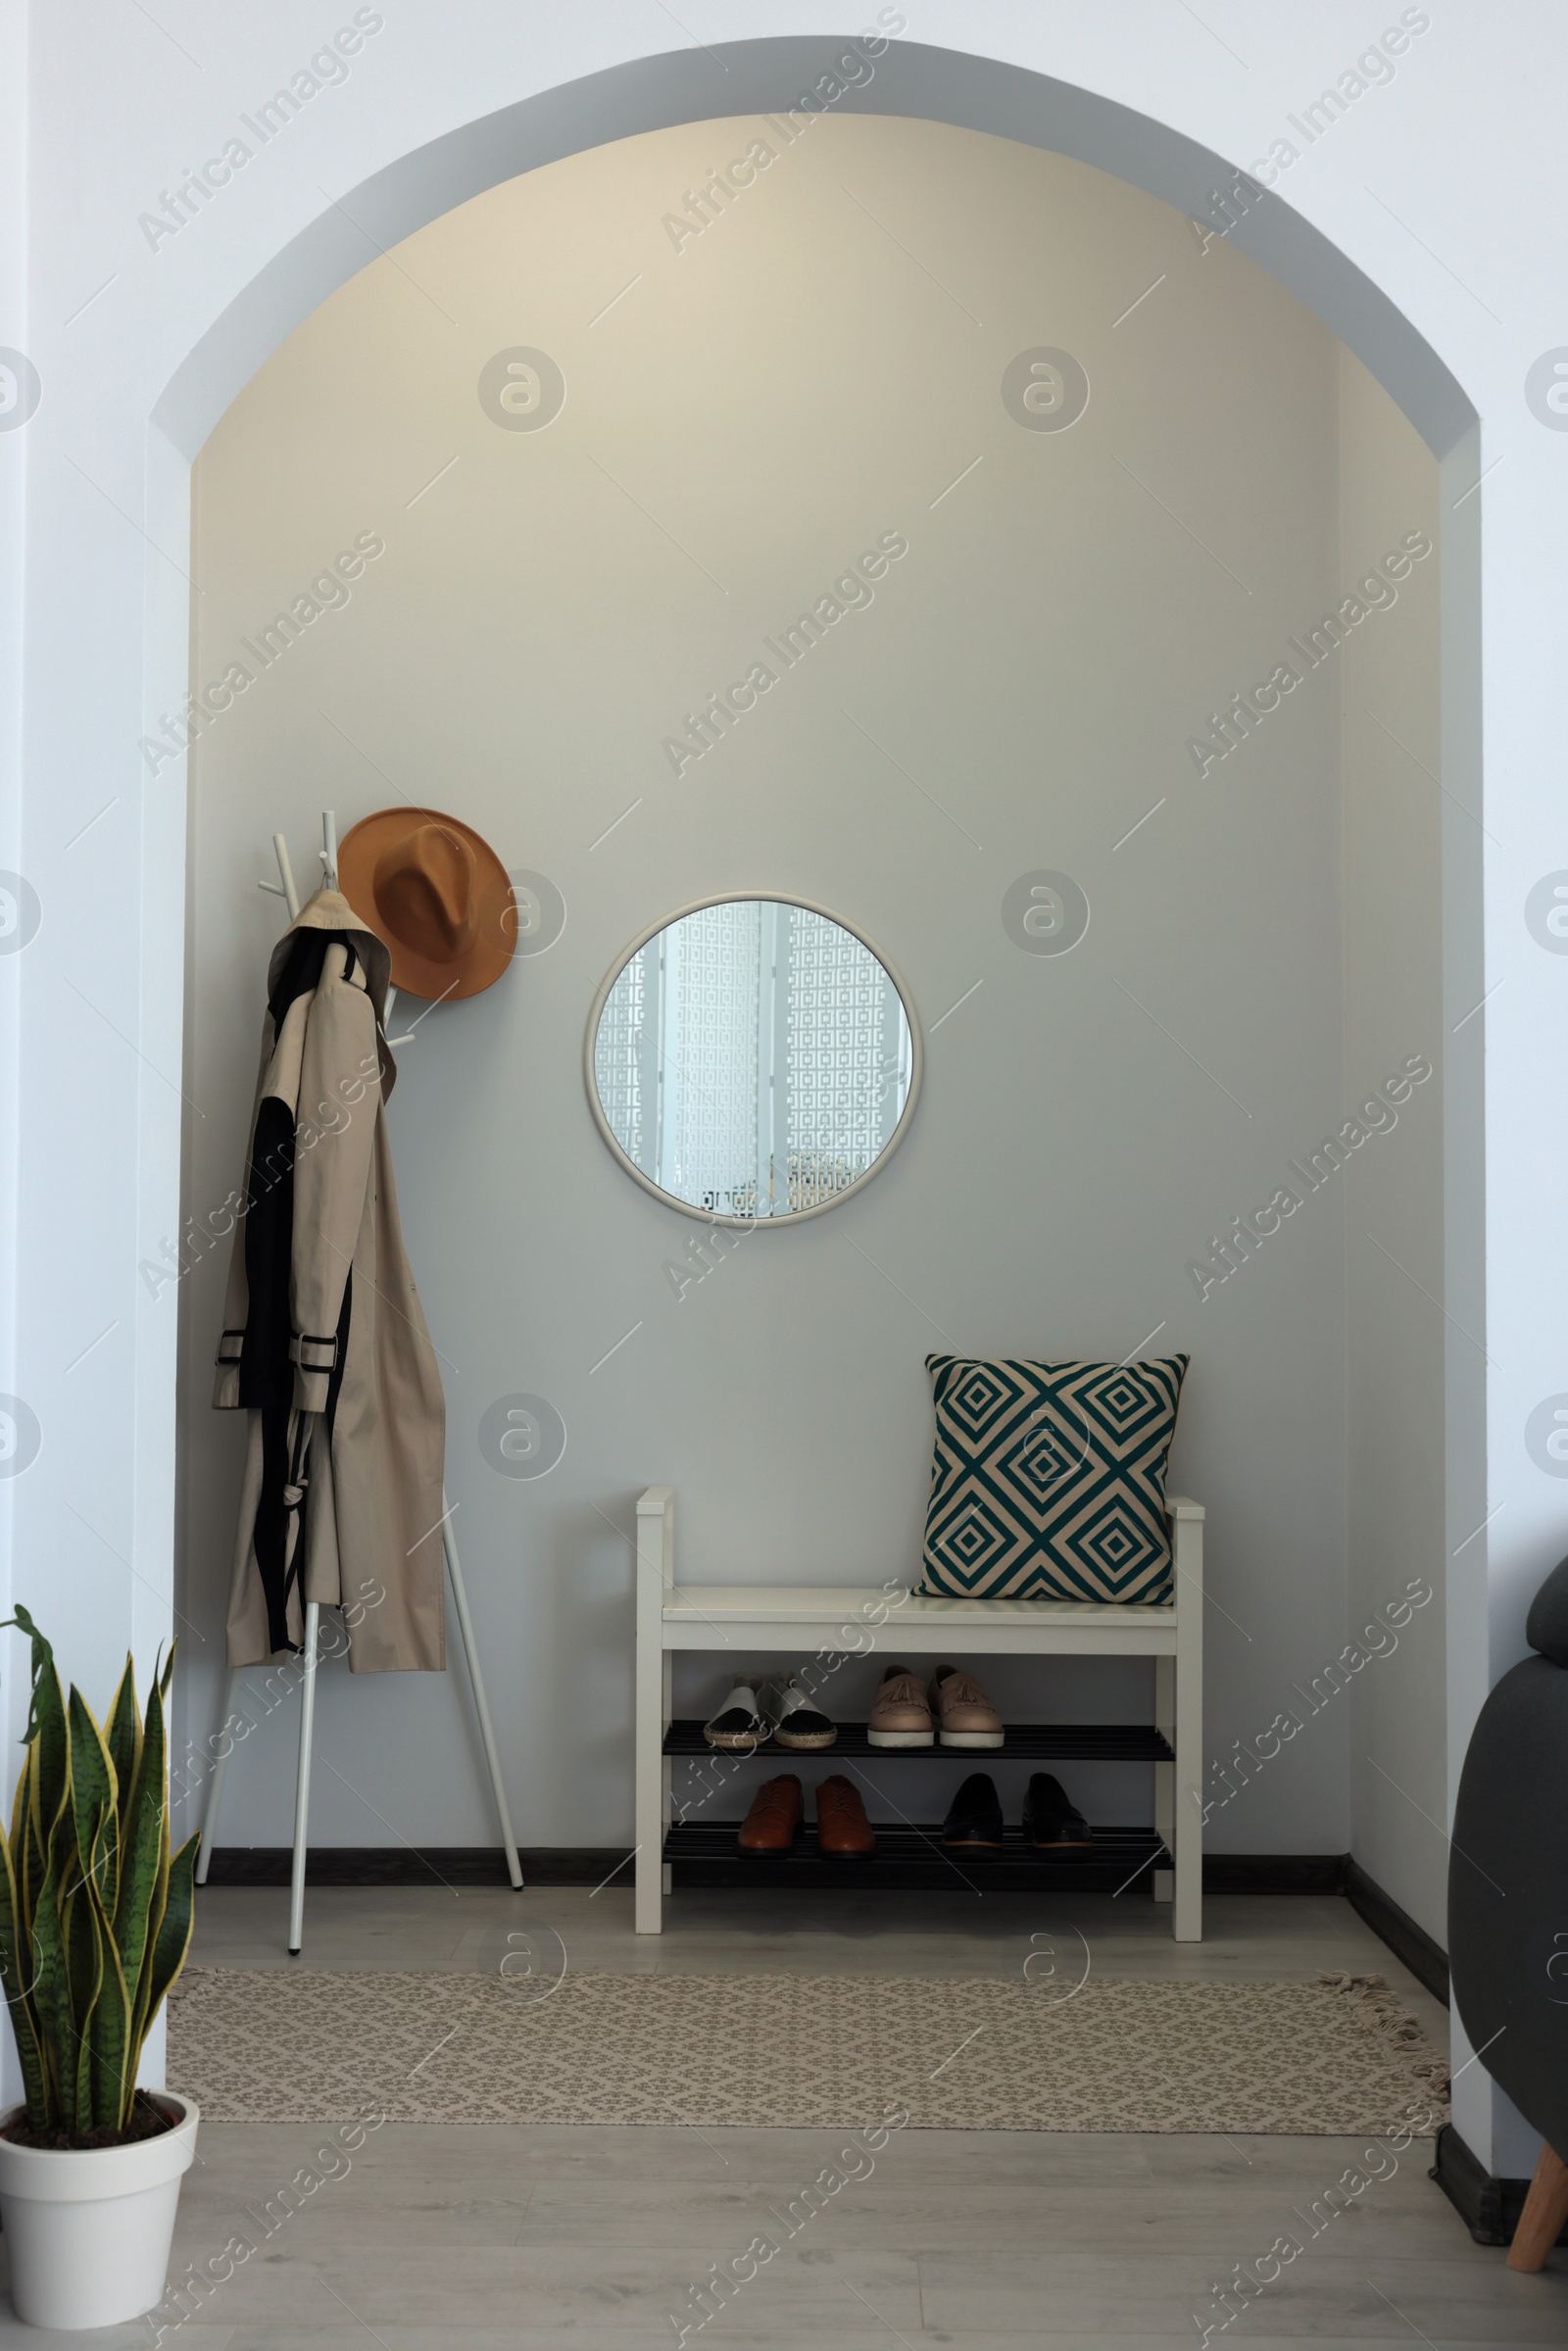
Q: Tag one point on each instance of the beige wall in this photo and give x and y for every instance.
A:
(1394, 1196)
(813, 370)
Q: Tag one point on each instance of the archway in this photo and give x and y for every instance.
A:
(928, 84)
(901, 77)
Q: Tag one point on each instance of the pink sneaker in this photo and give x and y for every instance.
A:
(899, 1716)
(966, 1715)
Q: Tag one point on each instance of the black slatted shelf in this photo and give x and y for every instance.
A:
(1023, 1742)
(911, 1857)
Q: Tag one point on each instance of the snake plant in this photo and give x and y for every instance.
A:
(95, 1913)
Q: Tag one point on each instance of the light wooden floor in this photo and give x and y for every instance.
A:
(475, 2238)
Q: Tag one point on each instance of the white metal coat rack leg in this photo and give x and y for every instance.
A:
(284, 889)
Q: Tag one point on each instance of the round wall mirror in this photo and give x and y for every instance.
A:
(753, 1059)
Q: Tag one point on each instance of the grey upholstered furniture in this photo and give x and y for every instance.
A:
(1508, 1902)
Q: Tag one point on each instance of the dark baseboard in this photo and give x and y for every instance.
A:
(1334, 1874)
(1421, 1954)
(1489, 2208)
(1274, 1873)
(590, 1865)
(403, 1864)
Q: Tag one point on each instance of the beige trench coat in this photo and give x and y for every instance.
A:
(324, 1341)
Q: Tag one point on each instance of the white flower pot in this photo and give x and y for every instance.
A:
(88, 2229)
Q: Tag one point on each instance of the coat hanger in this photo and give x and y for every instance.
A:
(285, 888)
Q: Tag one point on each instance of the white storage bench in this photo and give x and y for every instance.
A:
(795, 1621)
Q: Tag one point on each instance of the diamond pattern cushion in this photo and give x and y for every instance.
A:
(1048, 1481)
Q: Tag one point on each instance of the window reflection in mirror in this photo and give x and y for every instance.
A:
(753, 1060)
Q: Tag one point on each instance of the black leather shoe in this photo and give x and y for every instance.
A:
(974, 1818)
(1050, 1824)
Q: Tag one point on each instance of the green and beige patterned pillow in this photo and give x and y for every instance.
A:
(1048, 1481)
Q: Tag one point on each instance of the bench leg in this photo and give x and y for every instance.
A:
(1187, 1921)
(655, 1675)
(1166, 1773)
(654, 1683)
(652, 1807)
(667, 1769)
(1540, 2224)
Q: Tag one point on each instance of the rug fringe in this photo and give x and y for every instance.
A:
(1383, 2009)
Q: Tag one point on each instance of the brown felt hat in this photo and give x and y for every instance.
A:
(437, 894)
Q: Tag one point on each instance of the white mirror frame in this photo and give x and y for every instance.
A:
(689, 1208)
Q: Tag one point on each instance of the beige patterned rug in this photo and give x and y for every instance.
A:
(828, 2052)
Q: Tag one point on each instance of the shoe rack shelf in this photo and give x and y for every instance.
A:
(909, 1856)
(754, 1621)
(1022, 1742)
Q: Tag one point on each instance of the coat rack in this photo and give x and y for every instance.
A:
(284, 889)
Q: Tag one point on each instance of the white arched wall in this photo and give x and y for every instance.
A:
(123, 338)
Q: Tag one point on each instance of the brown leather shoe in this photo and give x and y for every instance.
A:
(842, 1828)
(775, 1819)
